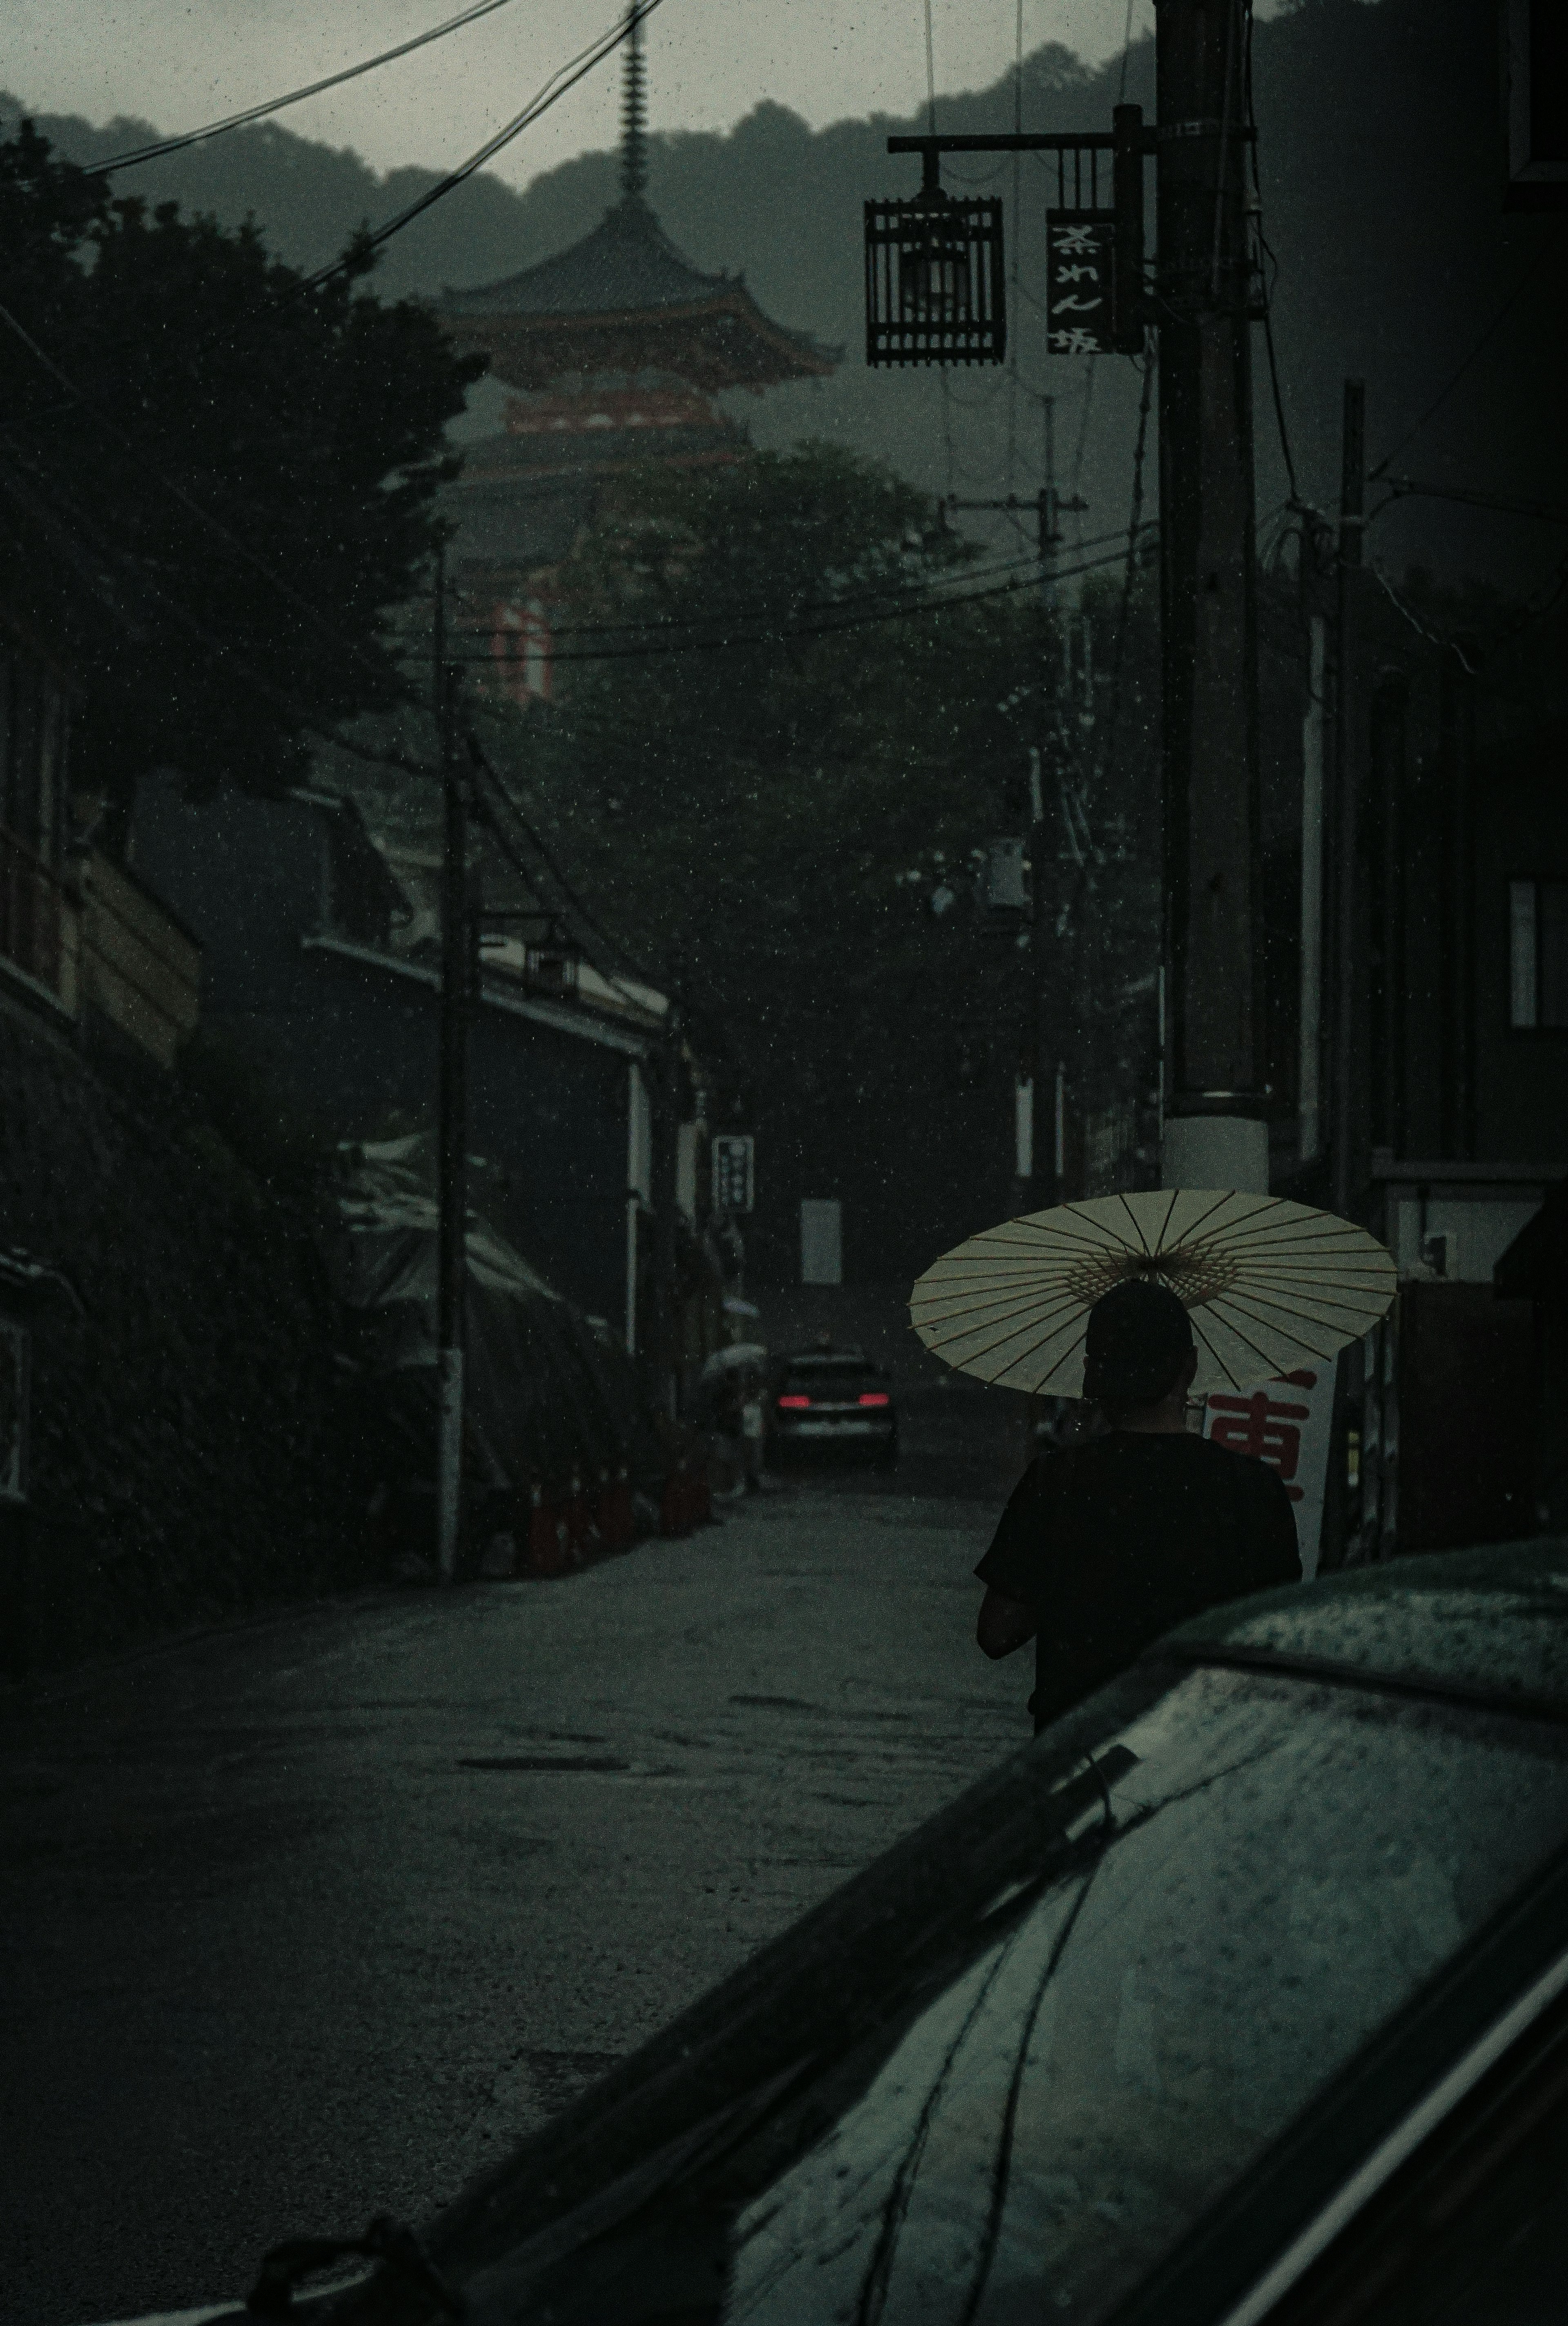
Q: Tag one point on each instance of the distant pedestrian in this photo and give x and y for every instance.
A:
(1110, 1541)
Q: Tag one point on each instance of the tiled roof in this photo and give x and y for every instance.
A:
(627, 267)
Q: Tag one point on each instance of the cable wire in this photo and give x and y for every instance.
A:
(111, 427)
(551, 92)
(930, 73)
(487, 768)
(807, 630)
(1268, 282)
(1446, 390)
(566, 78)
(1126, 54)
(1135, 527)
(911, 593)
(1017, 239)
(153, 153)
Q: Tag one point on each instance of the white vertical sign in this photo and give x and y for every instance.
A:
(822, 1241)
(1288, 1424)
(1023, 1128)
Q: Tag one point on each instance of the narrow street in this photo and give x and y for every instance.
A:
(306, 1918)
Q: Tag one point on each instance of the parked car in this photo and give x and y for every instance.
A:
(1240, 1998)
(825, 1398)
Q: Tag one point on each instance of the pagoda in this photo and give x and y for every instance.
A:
(614, 351)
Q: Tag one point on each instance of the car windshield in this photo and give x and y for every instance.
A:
(1014, 2107)
(830, 1372)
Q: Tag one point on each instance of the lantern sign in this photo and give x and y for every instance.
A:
(934, 287)
(734, 1172)
(1080, 280)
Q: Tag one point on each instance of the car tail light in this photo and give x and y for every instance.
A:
(793, 1404)
(873, 1397)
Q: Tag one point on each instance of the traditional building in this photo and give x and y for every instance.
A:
(614, 351)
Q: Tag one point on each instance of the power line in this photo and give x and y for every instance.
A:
(1125, 52)
(153, 153)
(1017, 239)
(1135, 527)
(930, 73)
(913, 594)
(1451, 382)
(551, 92)
(564, 78)
(60, 507)
(808, 629)
(1268, 280)
(485, 765)
(110, 427)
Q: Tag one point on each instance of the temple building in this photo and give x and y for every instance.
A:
(614, 351)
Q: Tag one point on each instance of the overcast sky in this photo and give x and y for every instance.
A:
(179, 62)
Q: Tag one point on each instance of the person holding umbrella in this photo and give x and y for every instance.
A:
(1110, 1542)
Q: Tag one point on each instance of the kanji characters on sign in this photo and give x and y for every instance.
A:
(1079, 255)
(1288, 1424)
(1261, 1424)
(734, 1169)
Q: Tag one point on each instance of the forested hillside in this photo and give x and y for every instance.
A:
(1382, 182)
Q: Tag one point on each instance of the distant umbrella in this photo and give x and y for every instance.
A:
(738, 1357)
(1270, 1285)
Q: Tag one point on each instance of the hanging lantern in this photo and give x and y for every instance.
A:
(935, 285)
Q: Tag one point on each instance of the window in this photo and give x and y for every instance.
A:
(1538, 954)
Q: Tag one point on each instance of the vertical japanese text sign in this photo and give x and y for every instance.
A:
(1288, 1423)
(734, 1172)
(1079, 257)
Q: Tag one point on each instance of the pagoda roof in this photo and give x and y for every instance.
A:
(626, 299)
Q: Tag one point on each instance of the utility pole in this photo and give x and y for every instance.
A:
(1347, 792)
(1216, 1133)
(1047, 758)
(666, 1127)
(1216, 1129)
(452, 1195)
(1389, 780)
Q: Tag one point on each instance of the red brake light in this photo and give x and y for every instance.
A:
(793, 1404)
(873, 1397)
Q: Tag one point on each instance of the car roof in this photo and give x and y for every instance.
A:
(758, 2080)
(1490, 1623)
(851, 1356)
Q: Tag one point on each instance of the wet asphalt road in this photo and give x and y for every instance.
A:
(306, 1919)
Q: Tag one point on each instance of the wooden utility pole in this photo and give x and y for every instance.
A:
(1048, 760)
(1390, 711)
(1216, 1130)
(452, 1194)
(1456, 913)
(918, 251)
(665, 1337)
(1344, 1019)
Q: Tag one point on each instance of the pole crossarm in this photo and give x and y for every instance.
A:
(1054, 141)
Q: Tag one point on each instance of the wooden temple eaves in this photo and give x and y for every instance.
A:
(720, 343)
(624, 301)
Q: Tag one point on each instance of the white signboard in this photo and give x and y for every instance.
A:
(734, 1172)
(822, 1241)
(1288, 1424)
(1080, 257)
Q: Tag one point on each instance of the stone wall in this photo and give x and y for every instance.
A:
(183, 1460)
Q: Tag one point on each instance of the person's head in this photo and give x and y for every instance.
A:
(1139, 1358)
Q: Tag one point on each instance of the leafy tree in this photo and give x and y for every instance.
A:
(768, 817)
(251, 460)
